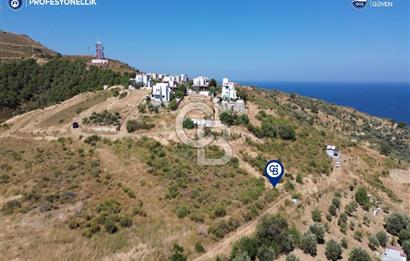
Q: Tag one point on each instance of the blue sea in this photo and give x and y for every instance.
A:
(385, 100)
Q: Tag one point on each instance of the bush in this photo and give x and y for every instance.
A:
(359, 254)
(362, 198)
(178, 254)
(92, 140)
(404, 234)
(358, 235)
(319, 231)
(273, 229)
(309, 243)
(110, 226)
(316, 215)
(332, 210)
(395, 222)
(245, 245)
(125, 221)
(172, 105)
(286, 132)
(292, 257)
(383, 238)
(373, 242)
(344, 243)
(219, 211)
(406, 247)
(182, 211)
(333, 250)
(243, 257)
(188, 124)
(232, 118)
(265, 253)
(142, 123)
(199, 248)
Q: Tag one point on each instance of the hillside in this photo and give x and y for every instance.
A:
(111, 190)
(19, 46)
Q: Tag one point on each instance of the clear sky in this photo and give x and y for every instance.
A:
(305, 40)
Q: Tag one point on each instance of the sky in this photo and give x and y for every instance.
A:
(257, 40)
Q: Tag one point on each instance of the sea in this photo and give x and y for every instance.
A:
(385, 100)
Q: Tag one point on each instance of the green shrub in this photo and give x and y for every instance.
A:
(125, 221)
(265, 253)
(199, 248)
(273, 229)
(219, 211)
(358, 235)
(292, 257)
(319, 231)
(359, 254)
(286, 132)
(177, 254)
(333, 250)
(92, 140)
(395, 222)
(110, 226)
(406, 247)
(344, 243)
(309, 243)
(172, 105)
(188, 124)
(316, 215)
(142, 123)
(362, 198)
(383, 238)
(373, 242)
(182, 211)
(245, 245)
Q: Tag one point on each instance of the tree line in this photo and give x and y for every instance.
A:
(26, 85)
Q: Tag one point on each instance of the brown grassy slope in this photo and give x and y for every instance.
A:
(19, 46)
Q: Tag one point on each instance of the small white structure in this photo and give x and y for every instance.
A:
(161, 92)
(99, 61)
(144, 79)
(228, 90)
(332, 151)
(201, 81)
(393, 254)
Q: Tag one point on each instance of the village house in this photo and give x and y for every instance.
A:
(143, 79)
(161, 92)
(201, 81)
(228, 90)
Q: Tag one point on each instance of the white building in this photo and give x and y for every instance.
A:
(161, 92)
(393, 254)
(201, 81)
(228, 90)
(99, 61)
(144, 79)
(332, 151)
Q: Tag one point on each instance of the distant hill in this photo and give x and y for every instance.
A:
(20, 46)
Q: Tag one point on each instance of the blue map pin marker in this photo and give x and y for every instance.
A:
(274, 171)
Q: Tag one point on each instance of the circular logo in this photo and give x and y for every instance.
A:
(274, 169)
(15, 4)
(359, 4)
